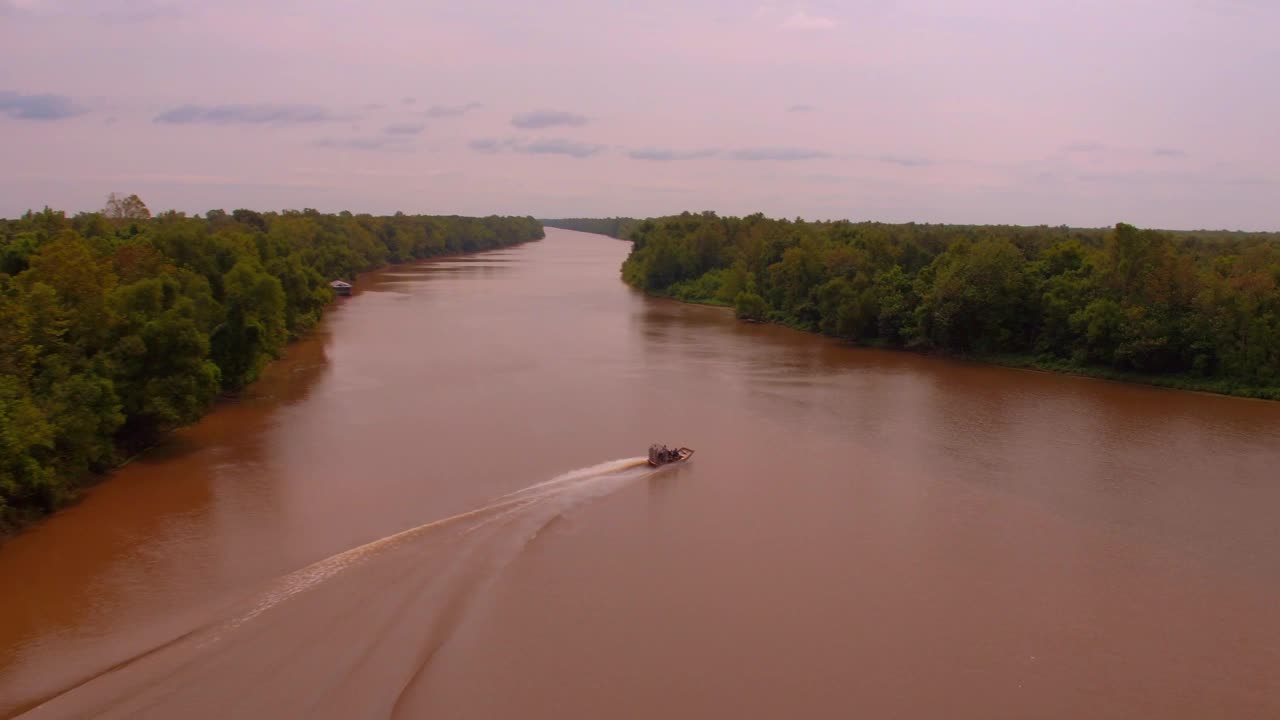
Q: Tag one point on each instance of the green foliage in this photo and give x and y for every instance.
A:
(254, 329)
(974, 298)
(160, 357)
(704, 289)
(897, 302)
(750, 306)
(118, 326)
(1120, 301)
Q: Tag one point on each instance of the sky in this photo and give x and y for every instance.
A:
(1161, 113)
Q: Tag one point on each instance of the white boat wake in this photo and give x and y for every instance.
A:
(349, 636)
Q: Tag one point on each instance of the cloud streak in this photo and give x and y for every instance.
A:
(262, 114)
(42, 106)
(445, 111)
(387, 143)
(490, 145)
(540, 119)
(903, 160)
(404, 128)
(1149, 177)
(554, 146)
(664, 155)
(778, 153)
(559, 147)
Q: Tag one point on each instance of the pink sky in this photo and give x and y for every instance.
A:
(1156, 112)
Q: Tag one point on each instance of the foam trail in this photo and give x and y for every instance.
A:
(350, 635)
(605, 468)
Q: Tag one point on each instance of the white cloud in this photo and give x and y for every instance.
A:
(791, 16)
(801, 20)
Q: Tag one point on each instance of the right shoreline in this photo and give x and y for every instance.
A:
(1021, 362)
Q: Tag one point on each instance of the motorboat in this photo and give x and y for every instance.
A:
(661, 455)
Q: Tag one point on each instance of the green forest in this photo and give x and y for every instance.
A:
(1184, 309)
(118, 326)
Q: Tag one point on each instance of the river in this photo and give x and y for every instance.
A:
(435, 506)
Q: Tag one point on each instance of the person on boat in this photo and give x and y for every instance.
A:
(661, 454)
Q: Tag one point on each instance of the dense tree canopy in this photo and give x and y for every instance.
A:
(118, 326)
(1199, 309)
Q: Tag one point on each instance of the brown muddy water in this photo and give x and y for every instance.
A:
(436, 507)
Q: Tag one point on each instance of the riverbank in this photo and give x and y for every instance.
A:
(71, 488)
(1032, 362)
(1193, 310)
(1172, 382)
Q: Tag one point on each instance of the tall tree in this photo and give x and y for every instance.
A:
(125, 207)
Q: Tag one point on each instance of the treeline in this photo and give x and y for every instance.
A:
(116, 327)
(618, 227)
(1189, 309)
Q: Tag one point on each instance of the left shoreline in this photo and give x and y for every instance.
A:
(81, 487)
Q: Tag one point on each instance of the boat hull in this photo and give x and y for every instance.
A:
(682, 455)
